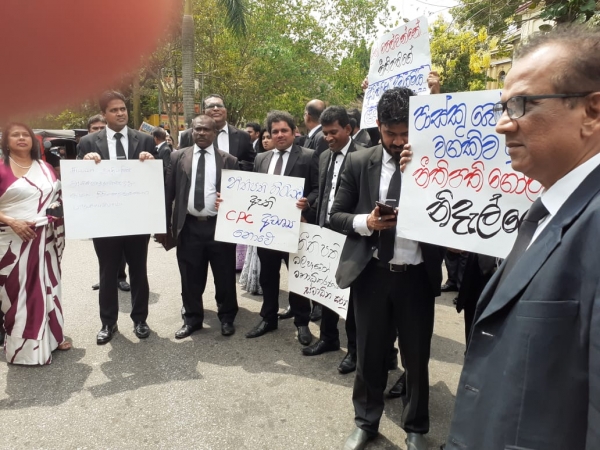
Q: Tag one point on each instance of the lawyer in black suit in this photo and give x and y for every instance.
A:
(312, 116)
(394, 280)
(229, 139)
(191, 218)
(117, 141)
(289, 160)
(531, 377)
(337, 131)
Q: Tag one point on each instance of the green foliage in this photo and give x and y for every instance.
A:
(460, 56)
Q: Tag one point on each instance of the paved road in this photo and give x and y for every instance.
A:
(204, 392)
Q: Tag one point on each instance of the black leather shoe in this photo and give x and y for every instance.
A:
(262, 328)
(416, 441)
(124, 286)
(106, 334)
(141, 330)
(321, 347)
(399, 388)
(185, 331)
(357, 440)
(304, 335)
(348, 364)
(316, 313)
(449, 287)
(287, 314)
(95, 287)
(227, 329)
(393, 363)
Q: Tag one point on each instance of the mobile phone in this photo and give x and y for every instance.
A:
(385, 210)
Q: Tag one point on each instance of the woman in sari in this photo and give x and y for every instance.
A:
(251, 269)
(31, 246)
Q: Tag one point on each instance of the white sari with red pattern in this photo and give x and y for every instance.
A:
(30, 289)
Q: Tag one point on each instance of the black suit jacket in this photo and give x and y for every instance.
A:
(164, 153)
(97, 143)
(240, 144)
(179, 182)
(363, 138)
(357, 194)
(531, 377)
(313, 215)
(302, 163)
(317, 142)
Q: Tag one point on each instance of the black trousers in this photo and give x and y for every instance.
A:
(110, 251)
(455, 265)
(122, 276)
(385, 300)
(329, 326)
(270, 266)
(197, 249)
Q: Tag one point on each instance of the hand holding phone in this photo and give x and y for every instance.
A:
(385, 210)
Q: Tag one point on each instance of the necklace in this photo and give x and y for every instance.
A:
(19, 165)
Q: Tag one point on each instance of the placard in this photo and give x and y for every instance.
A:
(400, 58)
(312, 269)
(113, 198)
(459, 190)
(260, 210)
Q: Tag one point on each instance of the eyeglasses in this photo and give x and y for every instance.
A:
(515, 106)
(214, 106)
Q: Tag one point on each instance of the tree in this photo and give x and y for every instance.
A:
(460, 56)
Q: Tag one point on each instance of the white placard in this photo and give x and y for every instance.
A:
(312, 269)
(260, 210)
(113, 198)
(400, 58)
(460, 191)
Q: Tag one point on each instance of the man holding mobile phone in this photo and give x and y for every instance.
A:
(394, 280)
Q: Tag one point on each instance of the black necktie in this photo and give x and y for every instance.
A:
(216, 142)
(279, 163)
(387, 238)
(199, 188)
(328, 186)
(120, 148)
(526, 231)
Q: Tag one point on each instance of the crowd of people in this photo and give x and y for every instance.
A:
(533, 337)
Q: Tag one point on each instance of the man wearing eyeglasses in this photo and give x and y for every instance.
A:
(229, 139)
(531, 377)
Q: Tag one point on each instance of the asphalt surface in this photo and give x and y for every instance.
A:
(203, 392)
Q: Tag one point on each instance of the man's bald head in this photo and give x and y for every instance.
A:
(312, 113)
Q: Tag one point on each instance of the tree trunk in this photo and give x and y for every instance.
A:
(187, 66)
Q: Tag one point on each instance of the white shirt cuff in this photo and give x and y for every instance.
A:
(360, 225)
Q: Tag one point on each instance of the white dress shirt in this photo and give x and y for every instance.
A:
(560, 191)
(405, 250)
(223, 139)
(336, 172)
(210, 183)
(275, 157)
(112, 142)
(314, 130)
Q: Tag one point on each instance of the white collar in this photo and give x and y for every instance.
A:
(210, 149)
(560, 191)
(110, 134)
(345, 149)
(225, 129)
(314, 130)
(287, 150)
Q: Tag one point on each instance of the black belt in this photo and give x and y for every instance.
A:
(393, 267)
(202, 218)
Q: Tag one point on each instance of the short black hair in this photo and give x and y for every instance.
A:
(159, 133)
(280, 116)
(254, 125)
(92, 120)
(354, 113)
(35, 144)
(313, 111)
(107, 97)
(333, 114)
(392, 108)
